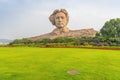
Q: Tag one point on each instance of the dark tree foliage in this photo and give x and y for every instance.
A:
(111, 29)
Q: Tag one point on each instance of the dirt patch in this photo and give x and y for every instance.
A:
(101, 48)
(73, 72)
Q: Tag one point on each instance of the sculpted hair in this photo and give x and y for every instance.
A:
(52, 16)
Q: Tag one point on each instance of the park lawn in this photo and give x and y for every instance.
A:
(25, 63)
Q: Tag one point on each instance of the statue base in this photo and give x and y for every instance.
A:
(71, 34)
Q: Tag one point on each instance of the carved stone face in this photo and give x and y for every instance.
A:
(60, 20)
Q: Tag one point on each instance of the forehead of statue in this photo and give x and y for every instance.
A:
(60, 14)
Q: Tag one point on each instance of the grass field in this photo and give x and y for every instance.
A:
(54, 63)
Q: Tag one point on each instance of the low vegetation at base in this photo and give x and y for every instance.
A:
(68, 42)
(27, 63)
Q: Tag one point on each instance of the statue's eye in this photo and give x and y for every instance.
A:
(57, 17)
(62, 17)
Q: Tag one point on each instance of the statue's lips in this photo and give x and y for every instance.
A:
(60, 23)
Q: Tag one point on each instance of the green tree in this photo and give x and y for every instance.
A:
(59, 40)
(111, 28)
(45, 40)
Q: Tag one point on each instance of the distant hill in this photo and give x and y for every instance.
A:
(5, 41)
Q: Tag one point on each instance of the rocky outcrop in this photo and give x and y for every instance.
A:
(60, 18)
(72, 34)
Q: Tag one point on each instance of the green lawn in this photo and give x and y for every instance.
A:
(54, 63)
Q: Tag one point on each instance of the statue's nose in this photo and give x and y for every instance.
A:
(60, 19)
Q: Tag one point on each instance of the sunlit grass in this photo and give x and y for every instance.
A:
(53, 64)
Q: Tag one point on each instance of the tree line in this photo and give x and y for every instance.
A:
(68, 42)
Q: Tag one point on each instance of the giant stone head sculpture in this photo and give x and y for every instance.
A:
(60, 19)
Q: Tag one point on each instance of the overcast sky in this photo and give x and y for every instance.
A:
(27, 18)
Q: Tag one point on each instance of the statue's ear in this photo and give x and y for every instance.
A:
(51, 18)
